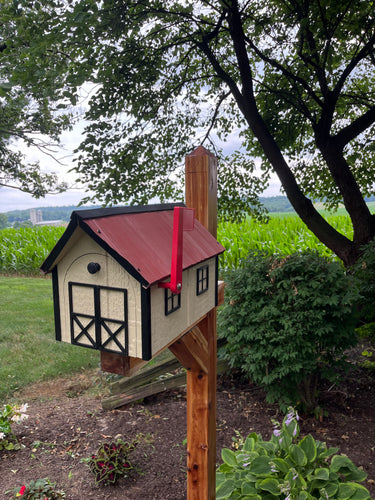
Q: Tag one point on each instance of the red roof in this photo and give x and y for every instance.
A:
(140, 238)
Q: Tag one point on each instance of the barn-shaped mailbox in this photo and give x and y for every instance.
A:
(107, 270)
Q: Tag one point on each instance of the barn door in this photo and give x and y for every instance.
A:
(98, 317)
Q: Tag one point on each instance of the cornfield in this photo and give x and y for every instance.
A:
(282, 235)
(23, 250)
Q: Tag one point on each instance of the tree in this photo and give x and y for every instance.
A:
(292, 79)
(30, 95)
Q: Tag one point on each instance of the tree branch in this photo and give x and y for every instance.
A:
(216, 112)
(355, 128)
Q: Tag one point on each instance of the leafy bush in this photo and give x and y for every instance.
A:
(286, 467)
(364, 277)
(287, 322)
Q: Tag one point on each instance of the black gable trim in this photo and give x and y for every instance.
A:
(78, 216)
(146, 323)
(56, 303)
(123, 262)
(96, 213)
(46, 266)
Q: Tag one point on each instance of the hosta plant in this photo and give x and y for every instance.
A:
(287, 467)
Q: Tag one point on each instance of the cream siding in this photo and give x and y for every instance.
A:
(73, 268)
(165, 329)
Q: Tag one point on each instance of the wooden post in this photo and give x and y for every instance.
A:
(197, 349)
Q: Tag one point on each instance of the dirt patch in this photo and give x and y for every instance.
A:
(66, 425)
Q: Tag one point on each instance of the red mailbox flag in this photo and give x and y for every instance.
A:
(183, 220)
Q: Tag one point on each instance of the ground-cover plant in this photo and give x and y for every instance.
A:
(111, 461)
(23, 250)
(41, 489)
(27, 337)
(287, 322)
(287, 467)
(8, 416)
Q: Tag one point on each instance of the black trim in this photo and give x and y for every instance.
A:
(146, 323)
(170, 305)
(123, 262)
(216, 281)
(56, 304)
(95, 213)
(202, 280)
(99, 322)
(79, 216)
(47, 264)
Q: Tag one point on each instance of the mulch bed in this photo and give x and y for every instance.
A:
(61, 430)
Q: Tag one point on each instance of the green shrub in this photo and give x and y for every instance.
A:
(286, 467)
(287, 322)
(364, 277)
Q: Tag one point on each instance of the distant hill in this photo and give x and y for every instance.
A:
(277, 204)
(272, 203)
(48, 213)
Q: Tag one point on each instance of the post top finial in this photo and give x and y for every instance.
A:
(201, 151)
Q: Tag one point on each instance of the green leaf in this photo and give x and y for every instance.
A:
(225, 468)
(321, 473)
(260, 466)
(225, 489)
(303, 495)
(229, 457)
(343, 465)
(298, 455)
(308, 445)
(331, 488)
(248, 488)
(269, 484)
(281, 465)
(353, 491)
(249, 444)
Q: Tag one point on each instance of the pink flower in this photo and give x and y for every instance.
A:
(22, 491)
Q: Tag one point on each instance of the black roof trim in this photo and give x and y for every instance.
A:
(46, 266)
(95, 213)
(78, 217)
(123, 262)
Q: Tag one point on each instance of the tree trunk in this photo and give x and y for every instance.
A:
(345, 249)
(362, 220)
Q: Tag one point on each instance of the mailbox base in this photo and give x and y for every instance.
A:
(119, 364)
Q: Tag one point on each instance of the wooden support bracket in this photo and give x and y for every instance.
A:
(192, 351)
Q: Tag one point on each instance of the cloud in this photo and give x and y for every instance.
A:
(12, 199)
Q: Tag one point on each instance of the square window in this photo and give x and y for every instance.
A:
(172, 301)
(202, 280)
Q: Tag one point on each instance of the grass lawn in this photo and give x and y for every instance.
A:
(28, 350)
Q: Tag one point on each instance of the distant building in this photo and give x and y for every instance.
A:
(36, 216)
(51, 223)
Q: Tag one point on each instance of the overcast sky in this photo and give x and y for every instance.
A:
(13, 199)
